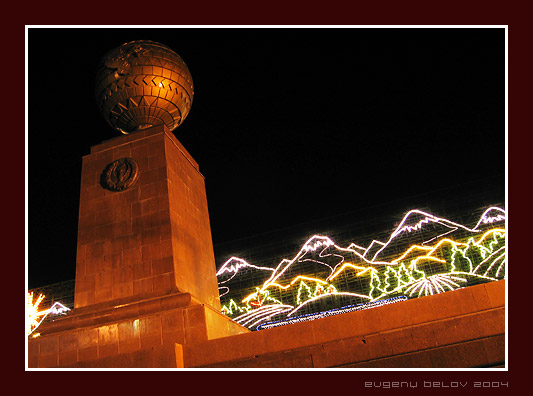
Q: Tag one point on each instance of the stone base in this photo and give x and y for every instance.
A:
(463, 328)
(456, 329)
(148, 333)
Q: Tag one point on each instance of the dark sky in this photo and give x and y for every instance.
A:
(294, 129)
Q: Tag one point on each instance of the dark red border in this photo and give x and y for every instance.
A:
(268, 13)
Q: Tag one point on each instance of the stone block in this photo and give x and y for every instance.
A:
(143, 286)
(173, 337)
(49, 345)
(129, 346)
(48, 360)
(496, 293)
(494, 348)
(33, 353)
(166, 244)
(380, 345)
(142, 270)
(103, 294)
(87, 337)
(364, 322)
(471, 354)
(121, 152)
(149, 191)
(103, 279)
(107, 350)
(172, 321)
(195, 334)
(151, 341)
(123, 289)
(123, 274)
(151, 252)
(445, 331)
(340, 352)
(164, 283)
(289, 337)
(151, 235)
(85, 283)
(305, 361)
(423, 336)
(326, 330)
(87, 353)
(150, 325)
(108, 334)
(162, 266)
(393, 318)
(415, 360)
(165, 357)
(128, 331)
(445, 357)
(401, 341)
(68, 342)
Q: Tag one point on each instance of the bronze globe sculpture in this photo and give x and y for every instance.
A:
(143, 84)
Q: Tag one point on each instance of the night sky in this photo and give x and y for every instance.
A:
(296, 130)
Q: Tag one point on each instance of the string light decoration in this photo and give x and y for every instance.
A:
(424, 255)
(36, 316)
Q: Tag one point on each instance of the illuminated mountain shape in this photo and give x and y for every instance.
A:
(356, 248)
(420, 228)
(424, 255)
(492, 217)
(319, 256)
(237, 266)
(372, 249)
(412, 253)
(310, 251)
(232, 267)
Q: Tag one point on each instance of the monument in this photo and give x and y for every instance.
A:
(146, 292)
(145, 270)
(144, 226)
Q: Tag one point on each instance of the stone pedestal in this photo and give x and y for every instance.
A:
(145, 271)
(151, 239)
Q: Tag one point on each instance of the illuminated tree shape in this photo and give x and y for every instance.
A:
(265, 295)
(404, 276)
(375, 285)
(304, 293)
(233, 307)
(460, 263)
(414, 272)
(492, 242)
(473, 251)
(498, 240)
(391, 279)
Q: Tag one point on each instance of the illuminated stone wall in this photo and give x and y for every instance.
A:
(457, 329)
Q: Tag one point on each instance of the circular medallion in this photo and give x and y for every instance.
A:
(120, 174)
